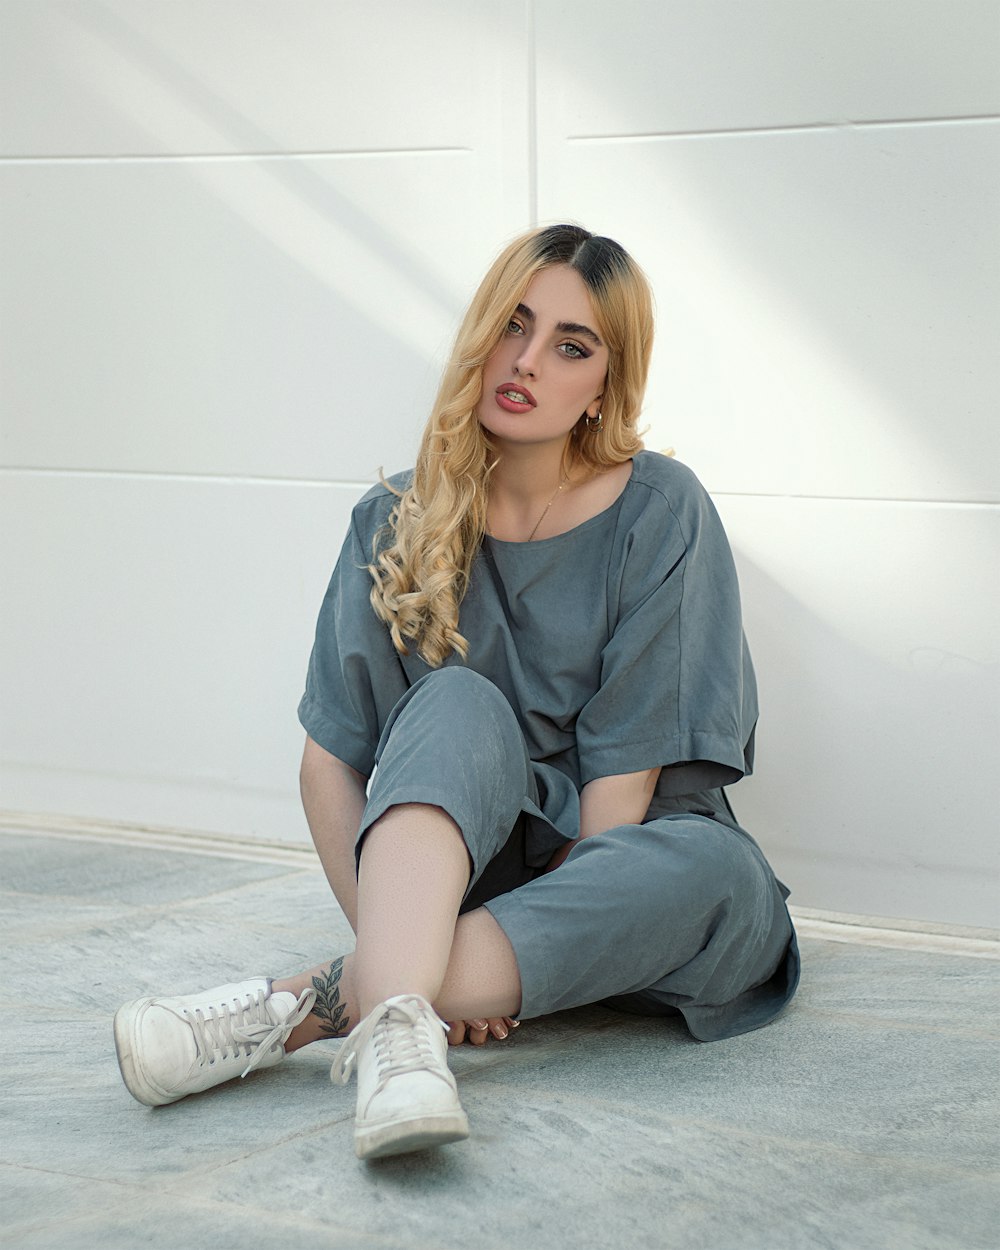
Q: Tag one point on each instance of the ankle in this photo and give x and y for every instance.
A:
(334, 1012)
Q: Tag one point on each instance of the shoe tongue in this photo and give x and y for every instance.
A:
(282, 1004)
(408, 999)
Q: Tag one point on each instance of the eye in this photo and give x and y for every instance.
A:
(574, 351)
(514, 327)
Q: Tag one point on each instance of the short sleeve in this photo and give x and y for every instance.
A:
(355, 676)
(677, 689)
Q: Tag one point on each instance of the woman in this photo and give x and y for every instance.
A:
(536, 637)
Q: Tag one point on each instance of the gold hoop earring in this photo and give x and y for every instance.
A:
(593, 423)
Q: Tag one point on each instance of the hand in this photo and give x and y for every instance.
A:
(477, 1031)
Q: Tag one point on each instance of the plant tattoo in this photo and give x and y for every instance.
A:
(328, 1007)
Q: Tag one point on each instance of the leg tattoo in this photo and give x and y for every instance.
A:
(332, 1013)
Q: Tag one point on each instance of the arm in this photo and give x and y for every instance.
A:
(605, 802)
(620, 800)
(333, 795)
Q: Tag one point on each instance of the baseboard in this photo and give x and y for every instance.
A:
(162, 837)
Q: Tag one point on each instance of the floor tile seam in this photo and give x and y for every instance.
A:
(208, 901)
(70, 1015)
(529, 1049)
(41, 937)
(170, 906)
(300, 1221)
(33, 939)
(904, 1026)
(730, 1130)
(111, 1181)
(40, 934)
(506, 1050)
(503, 1051)
(187, 1178)
(83, 900)
(48, 897)
(468, 1076)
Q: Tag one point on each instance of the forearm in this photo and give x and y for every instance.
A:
(333, 795)
(619, 800)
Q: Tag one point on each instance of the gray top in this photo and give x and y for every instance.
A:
(618, 644)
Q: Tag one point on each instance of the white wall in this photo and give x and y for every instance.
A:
(235, 241)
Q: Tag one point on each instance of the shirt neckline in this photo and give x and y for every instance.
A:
(603, 515)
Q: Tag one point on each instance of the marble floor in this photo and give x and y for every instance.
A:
(864, 1119)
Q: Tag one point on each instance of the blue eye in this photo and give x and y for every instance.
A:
(514, 327)
(574, 351)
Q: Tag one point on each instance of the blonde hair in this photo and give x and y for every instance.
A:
(423, 560)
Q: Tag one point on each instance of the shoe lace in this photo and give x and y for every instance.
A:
(246, 1024)
(400, 1033)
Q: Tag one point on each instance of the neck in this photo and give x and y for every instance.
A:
(526, 475)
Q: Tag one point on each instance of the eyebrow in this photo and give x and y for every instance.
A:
(564, 327)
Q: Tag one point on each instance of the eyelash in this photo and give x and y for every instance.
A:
(578, 353)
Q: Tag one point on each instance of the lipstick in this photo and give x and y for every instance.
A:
(504, 397)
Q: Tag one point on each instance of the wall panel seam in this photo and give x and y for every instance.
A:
(908, 501)
(636, 136)
(532, 116)
(251, 479)
(177, 158)
(220, 479)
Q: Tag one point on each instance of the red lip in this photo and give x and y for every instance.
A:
(510, 404)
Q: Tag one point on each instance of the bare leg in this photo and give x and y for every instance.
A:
(413, 874)
(481, 980)
(482, 977)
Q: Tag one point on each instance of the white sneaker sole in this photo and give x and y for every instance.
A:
(137, 1084)
(399, 1137)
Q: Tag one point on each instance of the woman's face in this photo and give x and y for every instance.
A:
(549, 368)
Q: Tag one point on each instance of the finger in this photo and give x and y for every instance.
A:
(499, 1029)
(479, 1031)
(456, 1033)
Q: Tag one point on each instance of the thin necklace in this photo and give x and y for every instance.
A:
(545, 510)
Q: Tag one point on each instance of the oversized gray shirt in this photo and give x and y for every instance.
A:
(618, 644)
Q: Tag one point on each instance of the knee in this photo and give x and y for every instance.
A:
(458, 689)
(458, 708)
(685, 861)
(724, 868)
(457, 681)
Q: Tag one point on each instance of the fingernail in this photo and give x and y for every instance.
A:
(479, 1024)
(515, 1024)
(500, 1032)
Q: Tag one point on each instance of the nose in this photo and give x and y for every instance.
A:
(525, 365)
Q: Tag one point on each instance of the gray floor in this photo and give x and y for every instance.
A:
(865, 1118)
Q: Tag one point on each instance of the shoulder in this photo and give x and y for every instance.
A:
(664, 491)
(664, 476)
(372, 510)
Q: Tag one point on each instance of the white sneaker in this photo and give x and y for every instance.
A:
(407, 1097)
(171, 1047)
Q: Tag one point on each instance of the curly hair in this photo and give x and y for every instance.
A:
(423, 560)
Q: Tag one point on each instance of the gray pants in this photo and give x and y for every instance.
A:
(680, 913)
